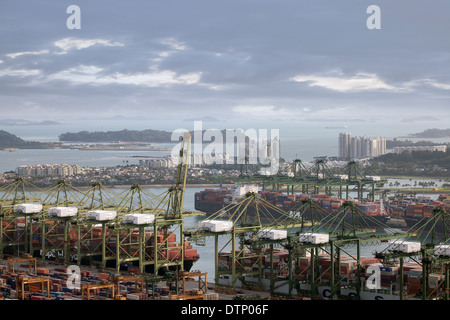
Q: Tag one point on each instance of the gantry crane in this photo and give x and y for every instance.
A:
(25, 258)
(23, 281)
(244, 222)
(138, 281)
(193, 294)
(426, 255)
(87, 288)
(106, 242)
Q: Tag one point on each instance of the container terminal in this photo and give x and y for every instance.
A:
(65, 243)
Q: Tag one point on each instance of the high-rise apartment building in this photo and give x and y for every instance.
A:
(48, 170)
(360, 147)
(344, 145)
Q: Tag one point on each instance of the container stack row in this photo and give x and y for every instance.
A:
(60, 288)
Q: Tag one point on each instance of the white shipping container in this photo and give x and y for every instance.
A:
(405, 246)
(442, 250)
(341, 176)
(221, 226)
(101, 215)
(203, 224)
(242, 190)
(217, 226)
(28, 208)
(131, 296)
(272, 234)
(139, 218)
(314, 238)
(63, 211)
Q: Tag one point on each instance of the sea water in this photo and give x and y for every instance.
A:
(298, 139)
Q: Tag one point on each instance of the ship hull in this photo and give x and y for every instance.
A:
(425, 224)
(187, 263)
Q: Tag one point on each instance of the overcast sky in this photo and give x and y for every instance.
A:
(230, 59)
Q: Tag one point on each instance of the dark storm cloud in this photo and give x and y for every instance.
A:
(290, 59)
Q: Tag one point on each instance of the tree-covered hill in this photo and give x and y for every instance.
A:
(9, 140)
(123, 135)
(415, 163)
(432, 133)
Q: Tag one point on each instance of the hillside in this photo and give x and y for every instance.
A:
(409, 143)
(8, 140)
(123, 135)
(415, 163)
(432, 133)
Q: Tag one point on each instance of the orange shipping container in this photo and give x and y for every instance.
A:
(42, 270)
(103, 276)
(190, 253)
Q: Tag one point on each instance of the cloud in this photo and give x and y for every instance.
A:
(18, 54)
(104, 74)
(67, 44)
(19, 72)
(229, 60)
(204, 119)
(93, 75)
(79, 75)
(359, 82)
(428, 82)
(175, 44)
(267, 112)
(420, 119)
(152, 79)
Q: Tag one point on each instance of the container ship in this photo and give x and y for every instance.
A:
(417, 213)
(405, 214)
(277, 204)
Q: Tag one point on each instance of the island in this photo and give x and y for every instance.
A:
(11, 142)
(431, 134)
(149, 135)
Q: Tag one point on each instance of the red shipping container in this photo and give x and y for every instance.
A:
(190, 253)
(134, 270)
(174, 254)
(103, 276)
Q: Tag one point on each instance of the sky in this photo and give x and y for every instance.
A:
(257, 61)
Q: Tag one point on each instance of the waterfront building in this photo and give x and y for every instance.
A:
(399, 150)
(360, 147)
(48, 170)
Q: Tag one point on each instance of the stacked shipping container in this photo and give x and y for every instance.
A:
(60, 291)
